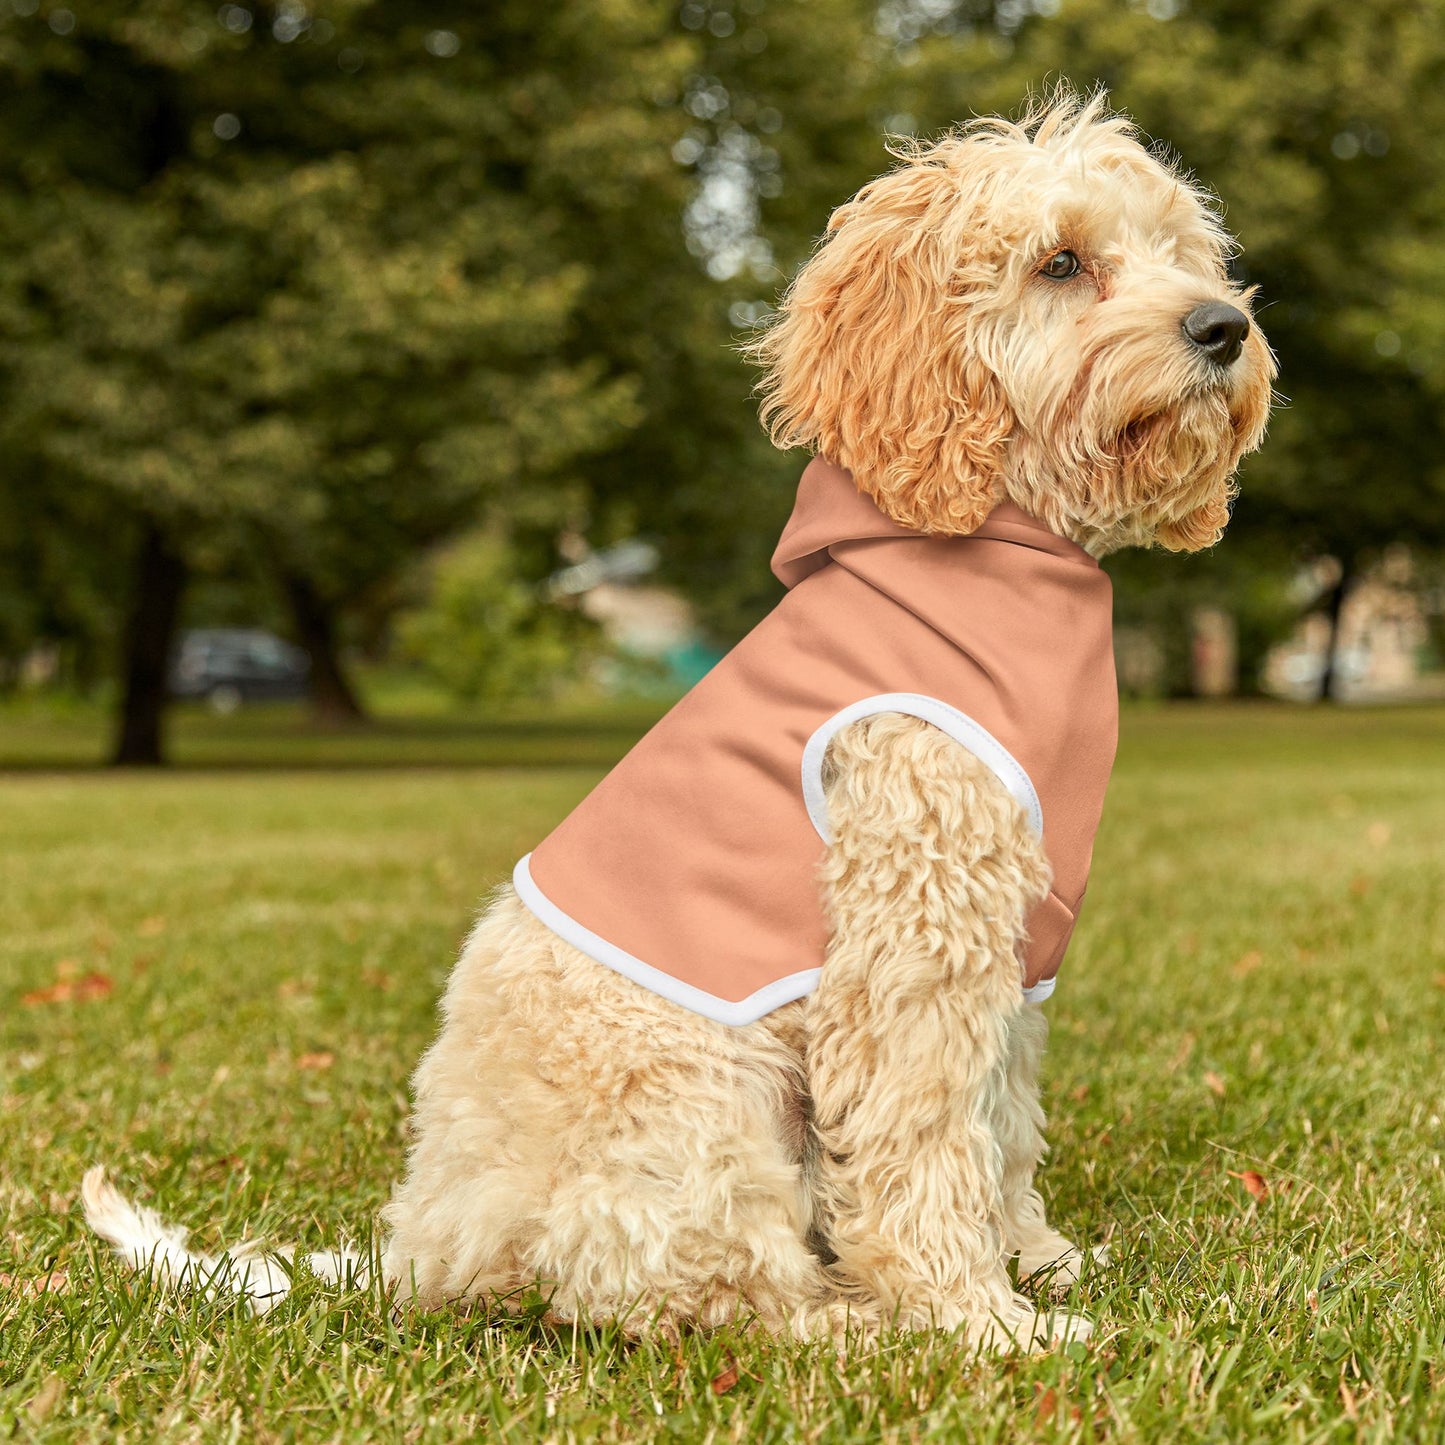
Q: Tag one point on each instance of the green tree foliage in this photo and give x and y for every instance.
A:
(318, 285)
(323, 286)
(486, 634)
(781, 114)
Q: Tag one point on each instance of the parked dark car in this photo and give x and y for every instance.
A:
(230, 665)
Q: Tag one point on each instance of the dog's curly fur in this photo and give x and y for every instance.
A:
(865, 1156)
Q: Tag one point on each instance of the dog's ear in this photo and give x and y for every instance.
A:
(873, 359)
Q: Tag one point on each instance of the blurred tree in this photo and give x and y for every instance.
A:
(307, 282)
(783, 108)
(58, 570)
(327, 284)
(1162, 595)
(486, 634)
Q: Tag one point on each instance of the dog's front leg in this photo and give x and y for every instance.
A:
(929, 878)
(1042, 1251)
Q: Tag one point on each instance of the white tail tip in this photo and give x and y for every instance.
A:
(148, 1244)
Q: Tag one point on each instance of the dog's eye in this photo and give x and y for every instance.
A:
(1060, 266)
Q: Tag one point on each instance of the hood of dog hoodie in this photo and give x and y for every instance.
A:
(692, 867)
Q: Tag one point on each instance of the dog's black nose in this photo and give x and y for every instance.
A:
(1218, 330)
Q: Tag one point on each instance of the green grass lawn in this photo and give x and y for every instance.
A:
(252, 958)
(408, 729)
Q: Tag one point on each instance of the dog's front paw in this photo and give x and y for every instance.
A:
(1057, 1266)
(1023, 1326)
(1061, 1327)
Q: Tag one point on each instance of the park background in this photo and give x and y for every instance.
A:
(359, 327)
(407, 334)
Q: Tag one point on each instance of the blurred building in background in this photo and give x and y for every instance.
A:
(1383, 645)
(642, 621)
(1383, 648)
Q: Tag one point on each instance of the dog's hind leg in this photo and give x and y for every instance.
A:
(581, 1136)
(929, 880)
(487, 1132)
(682, 1200)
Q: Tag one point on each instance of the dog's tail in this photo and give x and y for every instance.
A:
(147, 1243)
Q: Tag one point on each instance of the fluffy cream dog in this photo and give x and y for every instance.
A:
(1037, 313)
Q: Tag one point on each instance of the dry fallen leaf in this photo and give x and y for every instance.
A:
(56, 1282)
(1046, 1407)
(151, 927)
(1214, 1083)
(1248, 962)
(56, 993)
(1080, 1094)
(724, 1382)
(1254, 1183)
(322, 1059)
(66, 990)
(1440, 980)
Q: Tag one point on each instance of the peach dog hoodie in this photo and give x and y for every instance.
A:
(692, 866)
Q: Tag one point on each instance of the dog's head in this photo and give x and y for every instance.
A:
(1036, 310)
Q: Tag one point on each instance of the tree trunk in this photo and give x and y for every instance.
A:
(333, 699)
(160, 579)
(1329, 676)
